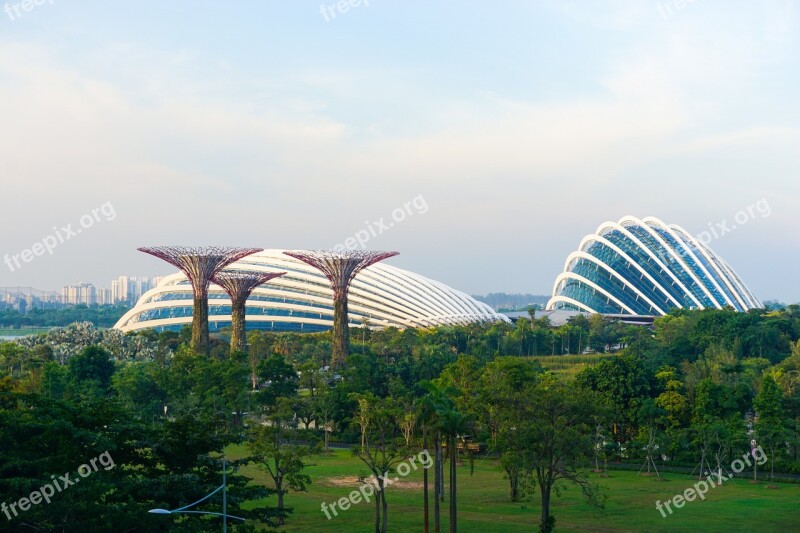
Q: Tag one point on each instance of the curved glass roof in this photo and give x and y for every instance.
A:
(646, 267)
(302, 300)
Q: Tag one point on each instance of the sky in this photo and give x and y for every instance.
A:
(481, 140)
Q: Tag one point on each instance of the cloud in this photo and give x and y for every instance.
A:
(302, 155)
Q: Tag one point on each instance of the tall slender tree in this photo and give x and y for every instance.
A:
(432, 405)
(454, 426)
(382, 450)
(771, 427)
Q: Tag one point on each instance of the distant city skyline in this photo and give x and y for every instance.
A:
(122, 289)
(482, 141)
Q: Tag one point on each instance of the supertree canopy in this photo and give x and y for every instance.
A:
(340, 267)
(239, 284)
(199, 264)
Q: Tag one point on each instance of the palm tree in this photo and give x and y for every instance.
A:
(426, 419)
(454, 425)
(430, 406)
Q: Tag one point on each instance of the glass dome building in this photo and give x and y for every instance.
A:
(302, 300)
(646, 267)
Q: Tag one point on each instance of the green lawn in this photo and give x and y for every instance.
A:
(484, 506)
(23, 331)
(569, 365)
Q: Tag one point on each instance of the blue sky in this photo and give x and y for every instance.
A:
(523, 125)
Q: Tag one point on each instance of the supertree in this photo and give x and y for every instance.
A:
(199, 264)
(340, 268)
(239, 284)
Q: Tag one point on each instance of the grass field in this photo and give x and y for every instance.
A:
(15, 332)
(569, 365)
(483, 504)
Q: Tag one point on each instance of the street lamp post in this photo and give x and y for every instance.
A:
(224, 514)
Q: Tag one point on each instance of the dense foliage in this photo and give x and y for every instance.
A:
(103, 316)
(692, 390)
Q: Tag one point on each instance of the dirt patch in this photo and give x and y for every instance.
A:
(352, 481)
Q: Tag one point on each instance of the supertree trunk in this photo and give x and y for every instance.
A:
(340, 268)
(341, 333)
(238, 337)
(200, 325)
(199, 265)
(239, 285)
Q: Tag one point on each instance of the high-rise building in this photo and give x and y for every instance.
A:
(104, 296)
(128, 288)
(116, 291)
(79, 293)
(11, 298)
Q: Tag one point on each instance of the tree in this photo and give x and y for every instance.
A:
(93, 363)
(581, 325)
(436, 401)
(672, 400)
(407, 420)
(556, 423)
(521, 334)
(454, 425)
(381, 449)
(651, 418)
(259, 348)
(141, 465)
(272, 448)
(12, 358)
(312, 378)
(139, 387)
(323, 411)
(426, 418)
(500, 385)
(771, 425)
(461, 378)
(280, 377)
(788, 378)
(624, 384)
(599, 333)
